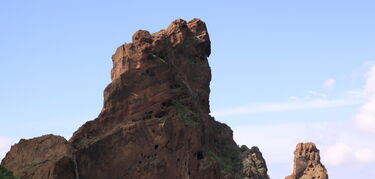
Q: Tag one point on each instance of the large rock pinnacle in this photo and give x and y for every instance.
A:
(307, 163)
(155, 121)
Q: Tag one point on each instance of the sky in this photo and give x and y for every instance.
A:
(283, 72)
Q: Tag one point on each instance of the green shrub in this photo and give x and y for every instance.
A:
(6, 174)
(84, 142)
(184, 113)
(158, 58)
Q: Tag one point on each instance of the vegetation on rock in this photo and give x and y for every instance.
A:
(6, 174)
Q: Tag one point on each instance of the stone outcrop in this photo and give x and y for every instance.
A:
(155, 121)
(40, 158)
(307, 163)
(254, 165)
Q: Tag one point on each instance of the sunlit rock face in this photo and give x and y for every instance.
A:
(307, 163)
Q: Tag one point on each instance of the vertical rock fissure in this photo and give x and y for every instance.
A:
(75, 167)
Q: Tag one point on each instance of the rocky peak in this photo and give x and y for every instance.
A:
(155, 121)
(154, 71)
(307, 163)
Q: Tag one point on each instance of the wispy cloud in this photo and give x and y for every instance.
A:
(341, 146)
(329, 84)
(337, 154)
(315, 94)
(344, 153)
(339, 141)
(283, 106)
(365, 155)
(365, 118)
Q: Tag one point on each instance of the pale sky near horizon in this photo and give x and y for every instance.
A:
(283, 71)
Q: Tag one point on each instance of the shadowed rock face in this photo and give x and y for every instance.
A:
(307, 163)
(155, 121)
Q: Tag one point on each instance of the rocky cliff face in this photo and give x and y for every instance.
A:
(307, 163)
(155, 122)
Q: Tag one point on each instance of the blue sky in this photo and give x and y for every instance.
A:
(283, 71)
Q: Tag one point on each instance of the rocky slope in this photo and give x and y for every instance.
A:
(155, 121)
(307, 163)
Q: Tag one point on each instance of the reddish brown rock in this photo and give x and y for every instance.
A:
(40, 158)
(307, 163)
(155, 121)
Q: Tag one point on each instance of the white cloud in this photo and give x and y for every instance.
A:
(278, 141)
(282, 107)
(348, 153)
(340, 145)
(343, 145)
(370, 83)
(329, 84)
(354, 93)
(365, 155)
(5, 143)
(315, 94)
(365, 118)
(337, 154)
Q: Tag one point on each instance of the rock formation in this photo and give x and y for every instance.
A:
(307, 163)
(40, 157)
(155, 121)
(254, 165)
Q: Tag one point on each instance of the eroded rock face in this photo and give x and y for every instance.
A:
(254, 165)
(155, 122)
(40, 158)
(307, 163)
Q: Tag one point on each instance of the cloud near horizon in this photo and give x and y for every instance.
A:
(340, 142)
(284, 106)
(343, 146)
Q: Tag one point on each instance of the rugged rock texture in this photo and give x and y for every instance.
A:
(254, 165)
(307, 163)
(40, 158)
(155, 122)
